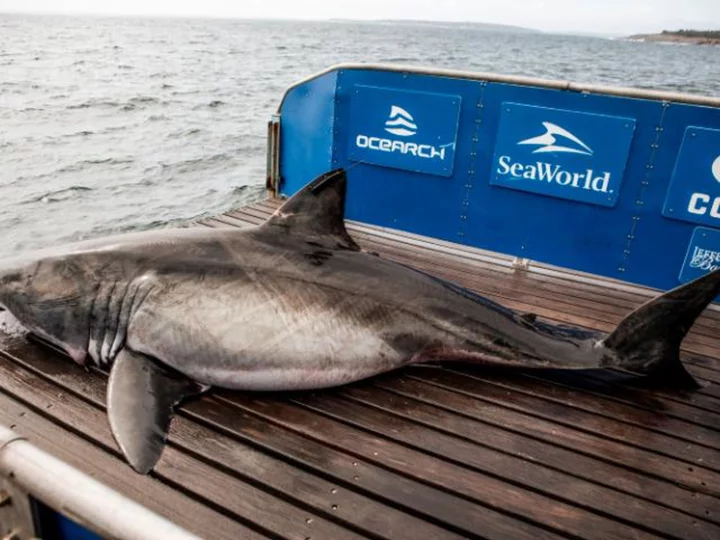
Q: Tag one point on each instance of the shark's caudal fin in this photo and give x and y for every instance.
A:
(317, 210)
(648, 339)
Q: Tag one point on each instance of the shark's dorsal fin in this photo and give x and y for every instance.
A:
(316, 211)
(141, 400)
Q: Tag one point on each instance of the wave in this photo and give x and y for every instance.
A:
(144, 99)
(58, 195)
(83, 133)
(80, 165)
(129, 105)
(93, 102)
(187, 165)
(184, 133)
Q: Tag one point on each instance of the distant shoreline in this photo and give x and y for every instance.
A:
(709, 38)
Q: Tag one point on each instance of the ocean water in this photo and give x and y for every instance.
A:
(115, 124)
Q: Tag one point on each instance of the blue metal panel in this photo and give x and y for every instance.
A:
(563, 232)
(703, 254)
(421, 203)
(306, 132)
(536, 150)
(622, 234)
(402, 129)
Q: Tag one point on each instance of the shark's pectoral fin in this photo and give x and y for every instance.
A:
(141, 397)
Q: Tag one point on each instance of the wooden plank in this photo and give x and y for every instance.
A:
(102, 466)
(611, 388)
(648, 418)
(573, 414)
(432, 504)
(511, 469)
(631, 389)
(636, 471)
(415, 463)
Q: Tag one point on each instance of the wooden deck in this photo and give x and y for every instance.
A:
(425, 452)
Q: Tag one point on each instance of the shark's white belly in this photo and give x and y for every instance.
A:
(272, 336)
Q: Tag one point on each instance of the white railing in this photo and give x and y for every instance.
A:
(641, 93)
(29, 470)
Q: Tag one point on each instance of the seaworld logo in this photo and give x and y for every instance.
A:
(402, 124)
(548, 141)
(556, 139)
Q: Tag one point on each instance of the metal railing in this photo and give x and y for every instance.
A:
(29, 471)
(641, 93)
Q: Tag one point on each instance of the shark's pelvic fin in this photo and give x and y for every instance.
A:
(317, 210)
(141, 397)
(648, 339)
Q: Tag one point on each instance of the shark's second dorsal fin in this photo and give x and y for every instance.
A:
(317, 210)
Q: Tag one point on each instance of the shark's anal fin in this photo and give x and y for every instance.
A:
(141, 397)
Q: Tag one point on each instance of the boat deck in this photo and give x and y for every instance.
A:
(424, 452)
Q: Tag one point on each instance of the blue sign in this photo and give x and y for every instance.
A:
(694, 192)
(403, 129)
(703, 254)
(561, 153)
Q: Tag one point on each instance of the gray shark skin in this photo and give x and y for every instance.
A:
(293, 304)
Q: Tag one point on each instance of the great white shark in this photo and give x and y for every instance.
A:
(293, 304)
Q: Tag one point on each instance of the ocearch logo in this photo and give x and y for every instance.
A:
(555, 139)
(716, 168)
(402, 124)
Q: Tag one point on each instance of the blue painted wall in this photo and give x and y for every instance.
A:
(306, 132)
(622, 235)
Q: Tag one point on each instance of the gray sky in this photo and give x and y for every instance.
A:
(611, 16)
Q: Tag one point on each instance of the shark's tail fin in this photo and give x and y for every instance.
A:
(648, 340)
